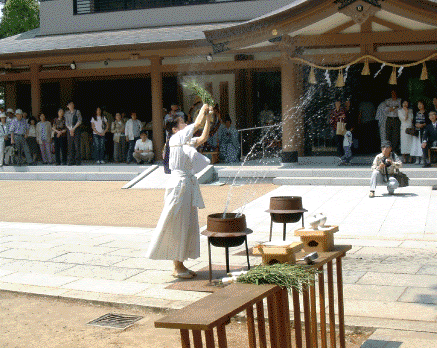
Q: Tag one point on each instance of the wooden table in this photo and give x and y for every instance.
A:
(212, 313)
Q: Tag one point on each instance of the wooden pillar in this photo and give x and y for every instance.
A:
(157, 112)
(35, 86)
(249, 99)
(67, 92)
(11, 95)
(292, 115)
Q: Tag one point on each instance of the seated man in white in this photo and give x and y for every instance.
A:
(384, 166)
(143, 151)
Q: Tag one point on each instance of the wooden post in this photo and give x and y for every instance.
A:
(322, 308)
(185, 338)
(197, 339)
(157, 112)
(340, 303)
(272, 321)
(286, 318)
(307, 315)
(261, 324)
(297, 322)
(313, 316)
(251, 327)
(11, 95)
(221, 335)
(209, 339)
(292, 116)
(331, 305)
(35, 89)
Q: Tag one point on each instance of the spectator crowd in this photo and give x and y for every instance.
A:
(69, 140)
(411, 133)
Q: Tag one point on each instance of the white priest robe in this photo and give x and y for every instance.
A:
(177, 235)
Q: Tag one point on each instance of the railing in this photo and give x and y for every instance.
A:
(99, 6)
(259, 134)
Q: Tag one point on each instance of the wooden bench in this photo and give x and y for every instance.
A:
(214, 156)
(212, 313)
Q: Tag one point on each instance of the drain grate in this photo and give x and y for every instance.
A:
(116, 321)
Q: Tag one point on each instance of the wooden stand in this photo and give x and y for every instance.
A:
(231, 236)
(272, 254)
(317, 240)
(212, 313)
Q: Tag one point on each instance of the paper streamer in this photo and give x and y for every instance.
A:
(382, 67)
(346, 72)
(328, 79)
(400, 71)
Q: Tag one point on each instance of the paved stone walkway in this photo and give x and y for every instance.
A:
(390, 275)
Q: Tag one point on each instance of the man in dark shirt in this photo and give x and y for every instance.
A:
(429, 138)
(73, 119)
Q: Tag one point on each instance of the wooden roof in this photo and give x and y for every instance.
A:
(303, 22)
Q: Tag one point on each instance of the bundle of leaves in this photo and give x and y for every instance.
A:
(284, 275)
(201, 92)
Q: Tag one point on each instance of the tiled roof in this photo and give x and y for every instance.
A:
(31, 42)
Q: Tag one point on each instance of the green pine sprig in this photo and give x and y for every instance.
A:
(201, 92)
(285, 275)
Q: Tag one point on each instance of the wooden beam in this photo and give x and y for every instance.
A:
(366, 27)
(344, 58)
(340, 28)
(390, 25)
(421, 11)
(222, 66)
(357, 39)
(59, 57)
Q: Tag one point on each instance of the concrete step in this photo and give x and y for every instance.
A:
(346, 172)
(111, 168)
(317, 176)
(110, 172)
(342, 181)
(68, 176)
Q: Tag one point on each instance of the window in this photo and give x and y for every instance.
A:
(99, 6)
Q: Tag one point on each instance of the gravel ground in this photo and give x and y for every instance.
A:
(105, 203)
(35, 322)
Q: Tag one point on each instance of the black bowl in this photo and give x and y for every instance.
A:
(286, 218)
(230, 242)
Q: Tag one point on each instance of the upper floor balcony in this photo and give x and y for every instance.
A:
(99, 6)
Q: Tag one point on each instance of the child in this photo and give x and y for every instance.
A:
(347, 146)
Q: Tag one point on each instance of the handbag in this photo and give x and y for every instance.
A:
(412, 131)
(341, 128)
(402, 178)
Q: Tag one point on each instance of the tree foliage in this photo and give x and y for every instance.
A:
(19, 16)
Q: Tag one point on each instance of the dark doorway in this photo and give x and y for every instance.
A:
(116, 95)
(50, 99)
(24, 101)
(267, 90)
